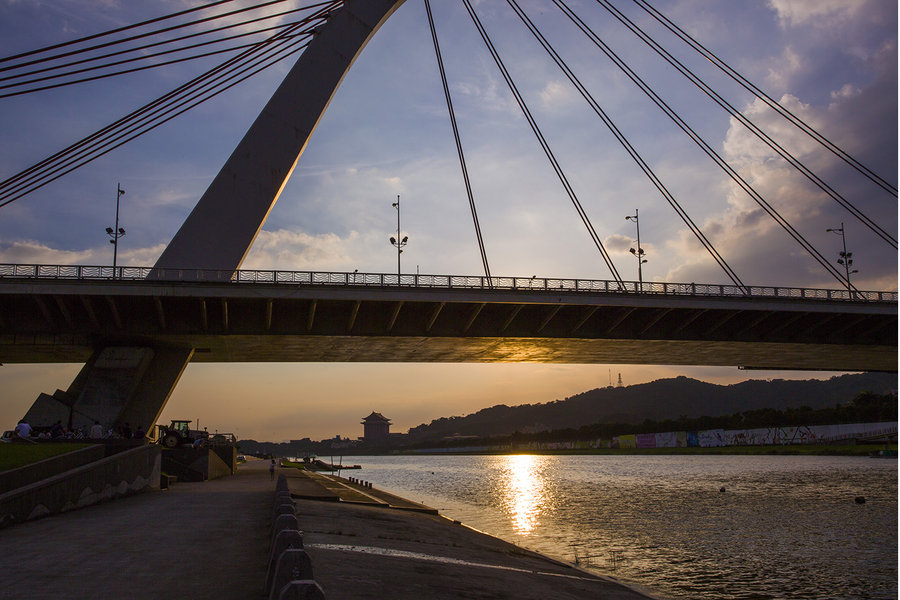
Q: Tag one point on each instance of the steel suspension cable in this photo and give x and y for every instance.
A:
(122, 137)
(148, 46)
(623, 140)
(112, 31)
(211, 75)
(704, 146)
(125, 71)
(147, 33)
(195, 83)
(775, 105)
(154, 114)
(750, 125)
(544, 145)
(459, 148)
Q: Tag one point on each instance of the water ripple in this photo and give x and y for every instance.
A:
(784, 527)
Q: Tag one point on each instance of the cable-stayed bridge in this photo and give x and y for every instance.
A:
(196, 303)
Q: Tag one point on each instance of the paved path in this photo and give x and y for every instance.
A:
(210, 540)
(195, 540)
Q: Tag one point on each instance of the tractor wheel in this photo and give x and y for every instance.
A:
(171, 440)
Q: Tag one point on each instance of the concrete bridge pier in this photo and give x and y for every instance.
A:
(117, 385)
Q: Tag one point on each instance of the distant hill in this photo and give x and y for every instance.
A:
(658, 400)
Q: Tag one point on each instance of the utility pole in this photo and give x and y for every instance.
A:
(639, 252)
(116, 232)
(399, 243)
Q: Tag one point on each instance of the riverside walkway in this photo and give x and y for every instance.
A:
(211, 540)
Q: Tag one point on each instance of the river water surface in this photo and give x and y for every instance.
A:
(784, 526)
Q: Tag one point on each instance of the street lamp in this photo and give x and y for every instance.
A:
(116, 232)
(639, 252)
(396, 241)
(846, 258)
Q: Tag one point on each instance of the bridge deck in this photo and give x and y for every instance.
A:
(63, 319)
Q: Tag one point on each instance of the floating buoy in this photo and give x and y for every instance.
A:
(860, 499)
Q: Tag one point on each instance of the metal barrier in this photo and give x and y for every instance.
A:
(388, 280)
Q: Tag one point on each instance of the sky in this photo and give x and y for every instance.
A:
(387, 133)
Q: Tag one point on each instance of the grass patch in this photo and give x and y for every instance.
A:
(287, 464)
(13, 456)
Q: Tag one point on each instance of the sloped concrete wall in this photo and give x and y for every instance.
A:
(16, 478)
(122, 474)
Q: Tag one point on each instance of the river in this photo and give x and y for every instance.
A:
(679, 527)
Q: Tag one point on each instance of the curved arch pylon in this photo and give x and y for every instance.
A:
(221, 228)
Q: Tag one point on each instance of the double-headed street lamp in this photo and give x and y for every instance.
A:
(846, 258)
(638, 252)
(116, 232)
(396, 241)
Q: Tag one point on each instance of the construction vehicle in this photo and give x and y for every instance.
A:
(178, 433)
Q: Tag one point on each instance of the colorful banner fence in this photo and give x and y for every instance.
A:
(715, 438)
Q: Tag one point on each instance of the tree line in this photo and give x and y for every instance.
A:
(866, 407)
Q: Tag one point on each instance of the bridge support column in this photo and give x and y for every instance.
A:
(118, 385)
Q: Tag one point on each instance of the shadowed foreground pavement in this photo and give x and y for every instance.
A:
(211, 540)
(195, 540)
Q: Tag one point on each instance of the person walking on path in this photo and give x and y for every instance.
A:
(272, 469)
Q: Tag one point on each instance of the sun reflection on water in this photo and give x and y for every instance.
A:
(524, 492)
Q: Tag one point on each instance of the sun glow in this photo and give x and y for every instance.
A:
(524, 489)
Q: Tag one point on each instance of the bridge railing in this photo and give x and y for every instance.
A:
(100, 273)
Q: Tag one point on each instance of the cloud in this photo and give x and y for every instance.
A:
(35, 253)
(847, 91)
(818, 13)
(556, 95)
(299, 251)
(30, 252)
(751, 241)
(618, 243)
(785, 68)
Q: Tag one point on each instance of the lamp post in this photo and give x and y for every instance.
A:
(116, 232)
(399, 243)
(639, 252)
(846, 258)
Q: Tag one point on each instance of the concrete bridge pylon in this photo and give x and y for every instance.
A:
(223, 225)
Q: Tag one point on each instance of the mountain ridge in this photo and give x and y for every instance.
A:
(661, 399)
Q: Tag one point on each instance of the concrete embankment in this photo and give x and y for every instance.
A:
(371, 544)
(211, 540)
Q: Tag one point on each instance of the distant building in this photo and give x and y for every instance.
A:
(376, 428)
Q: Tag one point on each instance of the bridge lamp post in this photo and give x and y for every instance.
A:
(846, 258)
(116, 232)
(639, 252)
(396, 241)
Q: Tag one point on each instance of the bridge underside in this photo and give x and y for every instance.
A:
(287, 348)
(64, 321)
